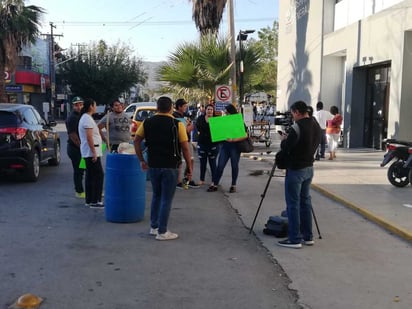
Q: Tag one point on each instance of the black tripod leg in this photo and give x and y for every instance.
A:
(263, 196)
(316, 222)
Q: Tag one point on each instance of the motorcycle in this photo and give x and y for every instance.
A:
(399, 172)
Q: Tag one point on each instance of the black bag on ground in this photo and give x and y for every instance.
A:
(276, 226)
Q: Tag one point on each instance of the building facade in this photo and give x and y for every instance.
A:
(354, 54)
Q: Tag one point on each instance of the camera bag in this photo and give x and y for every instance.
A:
(276, 226)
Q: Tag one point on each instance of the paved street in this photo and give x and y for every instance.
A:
(56, 248)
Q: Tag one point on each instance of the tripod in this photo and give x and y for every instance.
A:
(263, 195)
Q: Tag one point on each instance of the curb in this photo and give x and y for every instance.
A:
(387, 225)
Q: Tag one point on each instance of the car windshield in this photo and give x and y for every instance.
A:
(142, 114)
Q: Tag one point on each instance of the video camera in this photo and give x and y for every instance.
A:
(284, 119)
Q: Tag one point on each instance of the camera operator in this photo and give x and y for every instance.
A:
(300, 145)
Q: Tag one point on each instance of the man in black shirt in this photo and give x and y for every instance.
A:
(166, 140)
(300, 144)
(73, 145)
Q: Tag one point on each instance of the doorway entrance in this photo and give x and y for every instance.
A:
(377, 105)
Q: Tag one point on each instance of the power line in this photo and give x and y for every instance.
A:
(148, 23)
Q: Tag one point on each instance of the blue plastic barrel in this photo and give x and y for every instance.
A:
(125, 189)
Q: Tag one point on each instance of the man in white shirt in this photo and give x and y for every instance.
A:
(322, 116)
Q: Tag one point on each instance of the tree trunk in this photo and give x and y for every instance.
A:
(3, 96)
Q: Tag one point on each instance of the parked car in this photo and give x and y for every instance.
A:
(131, 108)
(100, 112)
(141, 113)
(26, 140)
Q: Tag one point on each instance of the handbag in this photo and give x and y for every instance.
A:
(245, 145)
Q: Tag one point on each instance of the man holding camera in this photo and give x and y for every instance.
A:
(300, 145)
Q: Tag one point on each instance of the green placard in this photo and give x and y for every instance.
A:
(224, 127)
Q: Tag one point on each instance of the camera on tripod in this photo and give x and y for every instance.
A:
(285, 120)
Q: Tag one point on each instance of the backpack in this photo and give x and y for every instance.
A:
(276, 226)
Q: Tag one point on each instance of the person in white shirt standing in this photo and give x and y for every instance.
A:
(91, 150)
(322, 116)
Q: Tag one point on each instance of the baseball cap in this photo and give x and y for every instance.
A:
(77, 100)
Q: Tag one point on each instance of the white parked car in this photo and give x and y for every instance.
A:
(130, 109)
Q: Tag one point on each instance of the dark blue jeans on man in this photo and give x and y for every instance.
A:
(299, 204)
(74, 154)
(164, 181)
(322, 145)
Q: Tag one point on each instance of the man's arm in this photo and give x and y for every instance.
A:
(137, 142)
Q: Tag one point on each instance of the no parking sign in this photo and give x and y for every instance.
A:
(223, 96)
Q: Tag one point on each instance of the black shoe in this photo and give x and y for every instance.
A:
(287, 243)
(212, 188)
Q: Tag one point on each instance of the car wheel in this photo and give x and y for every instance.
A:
(56, 158)
(33, 169)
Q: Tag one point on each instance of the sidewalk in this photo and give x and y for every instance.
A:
(356, 180)
(356, 264)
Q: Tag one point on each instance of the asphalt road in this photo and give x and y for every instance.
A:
(56, 248)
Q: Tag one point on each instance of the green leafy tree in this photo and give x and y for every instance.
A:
(266, 79)
(19, 26)
(101, 72)
(194, 69)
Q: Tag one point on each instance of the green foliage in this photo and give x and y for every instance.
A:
(194, 69)
(101, 72)
(265, 80)
(19, 26)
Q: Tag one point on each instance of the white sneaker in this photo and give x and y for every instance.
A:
(154, 232)
(167, 236)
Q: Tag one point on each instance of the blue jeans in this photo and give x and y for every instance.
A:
(227, 151)
(299, 204)
(164, 181)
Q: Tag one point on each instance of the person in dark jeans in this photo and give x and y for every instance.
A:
(166, 139)
(300, 145)
(206, 149)
(73, 145)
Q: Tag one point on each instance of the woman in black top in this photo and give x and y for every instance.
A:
(205, 148)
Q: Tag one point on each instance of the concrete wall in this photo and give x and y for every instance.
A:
(313, 66)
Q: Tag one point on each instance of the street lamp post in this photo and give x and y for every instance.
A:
(242, 36)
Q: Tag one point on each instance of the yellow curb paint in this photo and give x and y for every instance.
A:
(391, 227)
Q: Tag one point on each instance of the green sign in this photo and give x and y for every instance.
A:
(224, 127)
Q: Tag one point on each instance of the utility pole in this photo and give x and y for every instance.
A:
(232, 50)
(52, 70)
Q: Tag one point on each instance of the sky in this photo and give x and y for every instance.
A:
(153, 28)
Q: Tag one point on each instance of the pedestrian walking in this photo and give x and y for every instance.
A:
(333, 129)
(322, 117)
(73, 146)
(206, 149)
(166, 139)
(117, 127)
(228, 150)
(91, 150)
(180, 114)
(299, 145)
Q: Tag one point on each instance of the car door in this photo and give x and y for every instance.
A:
(41, 130)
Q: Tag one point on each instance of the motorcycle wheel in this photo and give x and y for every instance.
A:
(398, 175)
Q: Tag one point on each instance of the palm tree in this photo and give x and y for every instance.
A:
(19, 26)
(207, 15)
(194, 69)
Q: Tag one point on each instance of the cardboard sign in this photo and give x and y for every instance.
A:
(224, 127)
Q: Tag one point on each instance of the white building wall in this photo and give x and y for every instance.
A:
(332, 56)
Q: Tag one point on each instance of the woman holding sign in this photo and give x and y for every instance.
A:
(228, 150)
(206, 149)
